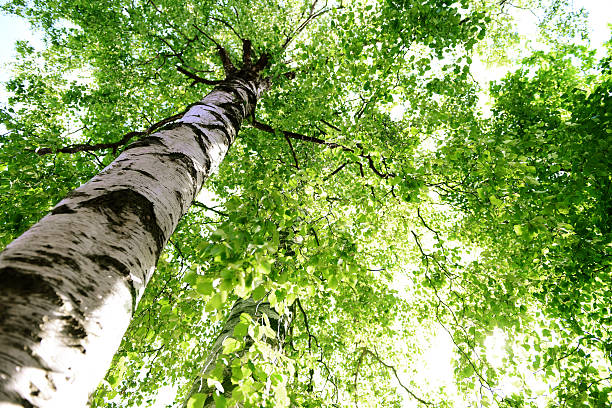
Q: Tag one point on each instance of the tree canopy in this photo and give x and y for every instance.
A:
(371, 199)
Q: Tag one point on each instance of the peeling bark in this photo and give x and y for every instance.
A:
(69, 285)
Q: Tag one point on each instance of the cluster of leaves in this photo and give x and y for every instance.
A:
(534, 184)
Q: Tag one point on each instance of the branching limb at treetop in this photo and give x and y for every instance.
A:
(228, 66)
(312, 15)
(228, 25)
(247, 50)
(197, 78)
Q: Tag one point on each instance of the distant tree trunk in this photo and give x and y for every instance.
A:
(69, 285)
(254, 309)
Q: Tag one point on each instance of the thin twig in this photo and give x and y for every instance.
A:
(390, 367)
(227, 25)
(297, 165)
(297, 136)
(330, 125)
(333, 173)
(202, 205)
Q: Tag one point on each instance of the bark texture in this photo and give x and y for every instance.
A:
(253, 309)
(69, 285)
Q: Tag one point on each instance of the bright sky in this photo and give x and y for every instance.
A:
(437, 359)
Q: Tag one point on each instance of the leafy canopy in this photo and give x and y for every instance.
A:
(373, 230)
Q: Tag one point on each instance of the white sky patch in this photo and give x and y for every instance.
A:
(600, 21)
(13, 28)
(435, 364)
(495, 345)
(165, 396)
(599, 25)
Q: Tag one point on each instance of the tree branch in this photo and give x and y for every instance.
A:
(331, 145)
(228, 66)
(297, 136)
(297, 165)
(330, 125)
(261, 62)
(228, 25)
(86, 147)
(390, 367)
(197, 78)
(247, 51)
(333, 173)
(202, 205)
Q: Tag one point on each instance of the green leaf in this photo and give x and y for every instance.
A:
(272, 299)
(264, 267)
(231, 345)
(241, 330)
(204, 287)
(196, 401)
(191, 278)
(216, 301)
(259, 292)
(495, 201)
(220, 401)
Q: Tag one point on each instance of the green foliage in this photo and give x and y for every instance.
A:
(374, 239)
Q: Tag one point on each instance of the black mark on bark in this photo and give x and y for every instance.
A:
(76, 194)
(62, 209)
(32, 260)
(108, 262)
(18, 283)
(73, 328)
(118, 204)
(144, 173)
(57, 259)
(148, 141)
(200, 137)
(186, 161)
(232, 114)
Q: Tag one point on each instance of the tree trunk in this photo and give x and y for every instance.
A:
(254, 309)
(69, 285)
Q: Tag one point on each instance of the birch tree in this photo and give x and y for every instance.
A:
(71, 282)
(323, 182)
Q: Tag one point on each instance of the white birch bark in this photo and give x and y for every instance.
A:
(69, 285)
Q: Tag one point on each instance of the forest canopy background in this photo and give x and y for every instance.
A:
(376, 203)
